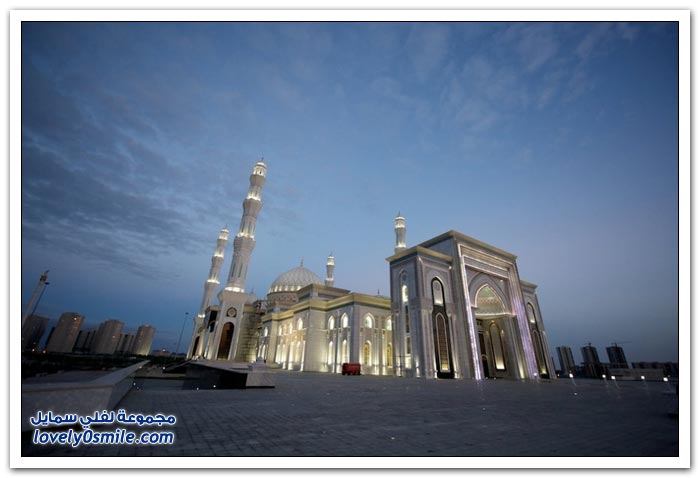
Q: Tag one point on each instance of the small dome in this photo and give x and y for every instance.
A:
(293, 280)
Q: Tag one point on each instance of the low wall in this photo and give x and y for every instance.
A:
(81, 398)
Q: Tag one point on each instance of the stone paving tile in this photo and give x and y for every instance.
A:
(328, 415)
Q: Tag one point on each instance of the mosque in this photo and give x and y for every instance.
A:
(458, 309)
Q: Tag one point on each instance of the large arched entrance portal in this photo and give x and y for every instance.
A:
(493, 322)
(225, 342)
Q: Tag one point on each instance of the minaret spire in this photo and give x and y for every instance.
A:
(244, 242)
(210, 287)
(212, 282)
(330, 266)
(400, 230)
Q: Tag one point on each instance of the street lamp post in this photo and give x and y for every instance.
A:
(184, 321)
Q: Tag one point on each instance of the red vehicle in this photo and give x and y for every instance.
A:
(351, 368)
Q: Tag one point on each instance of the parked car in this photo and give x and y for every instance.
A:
(351, 369)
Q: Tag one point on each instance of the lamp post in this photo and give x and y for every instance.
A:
(184, 321)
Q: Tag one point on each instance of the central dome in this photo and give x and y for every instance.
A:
(293, 280)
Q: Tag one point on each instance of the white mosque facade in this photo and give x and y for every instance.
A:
(458, 309)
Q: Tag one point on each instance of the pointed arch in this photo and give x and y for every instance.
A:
(438, 291)
(497, 287)
(539, 352)
(488, 301)
(531, 315)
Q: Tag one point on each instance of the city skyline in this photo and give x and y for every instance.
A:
(556, 142)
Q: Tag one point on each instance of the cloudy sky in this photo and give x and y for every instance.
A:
(555, 141)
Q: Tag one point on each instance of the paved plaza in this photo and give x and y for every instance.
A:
(310, 414)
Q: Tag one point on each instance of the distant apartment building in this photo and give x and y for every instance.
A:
(126, 343)
(107, 337)
(669, 369)
(83, 343)
(32, 332)
(566, 360)
(592, 367)
(65, 333)
(143, 340)
(589, 354)
(617, 356)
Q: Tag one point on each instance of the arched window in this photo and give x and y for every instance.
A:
(541, 363)
(331, 323)
(344, 350)
(300, 324)
(531, 313)
(265, 332)
(404, 302)
(279, 330)
(442, 352)
(368, 321)
(488, 302)
(496, 335)
(404, 288)
(330, 353)
(344, 321)
(438, 292)
(388, 323)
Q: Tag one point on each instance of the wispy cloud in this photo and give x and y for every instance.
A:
(427, 46)
(536, 43)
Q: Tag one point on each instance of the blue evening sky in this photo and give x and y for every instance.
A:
(557, 142)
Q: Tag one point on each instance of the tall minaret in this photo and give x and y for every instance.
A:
(330, 265)
(210, 287)
(400, 230)
(244, 242)
(212, 283)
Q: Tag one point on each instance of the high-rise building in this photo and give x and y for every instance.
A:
(617, 356)
(143, 340)
(32, 331)
(591, 362)
(566, 360)
(107, 337)
(126, 343)
(84, 341)
(590, 354)
(65, 333)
